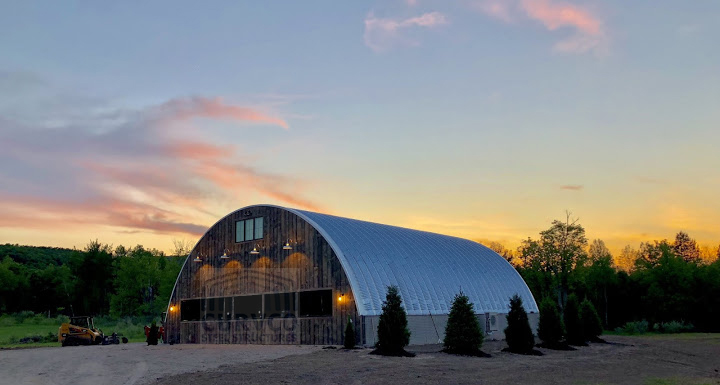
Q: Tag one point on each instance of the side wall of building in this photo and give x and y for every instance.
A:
(310, 265)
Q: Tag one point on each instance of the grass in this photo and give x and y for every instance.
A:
(14, 327)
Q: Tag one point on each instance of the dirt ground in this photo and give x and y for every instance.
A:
(653, 360)
(130, 364)
(679, 359)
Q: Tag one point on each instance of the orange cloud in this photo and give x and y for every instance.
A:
(48, 213)
(574, 187)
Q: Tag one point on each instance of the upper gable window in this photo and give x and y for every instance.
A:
(249, 229)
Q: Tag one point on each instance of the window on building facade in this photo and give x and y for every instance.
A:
(316, 303)
(214, 309)
(190, 310)
(248, 307)
(249, 229)
(280, 305)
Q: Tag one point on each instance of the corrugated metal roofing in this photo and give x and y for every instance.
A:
(428, 268)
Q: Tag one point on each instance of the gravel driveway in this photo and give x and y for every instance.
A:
(134, 363)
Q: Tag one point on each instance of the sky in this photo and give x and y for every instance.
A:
(146, 122)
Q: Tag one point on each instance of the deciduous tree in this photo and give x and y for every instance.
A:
(686, 247)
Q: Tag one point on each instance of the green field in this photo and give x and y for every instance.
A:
(15, 327)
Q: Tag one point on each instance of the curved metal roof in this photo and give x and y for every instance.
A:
(428, 268)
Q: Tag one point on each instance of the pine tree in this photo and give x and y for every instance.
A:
(550, 328)
(349, 335)
(393, 334)
(573, 326)
(518, 334)
(462, 333)
(591, 325)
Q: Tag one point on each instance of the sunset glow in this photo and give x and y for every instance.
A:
(480, 119)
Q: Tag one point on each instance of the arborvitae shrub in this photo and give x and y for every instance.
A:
(518, 334)
(573, 325)
(349, 336)
(550, 328)
(591, 324)
(462, 333)
(393, 334)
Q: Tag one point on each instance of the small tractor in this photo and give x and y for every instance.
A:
(80, 331)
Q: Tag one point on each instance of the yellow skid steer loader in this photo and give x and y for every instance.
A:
(80, 331)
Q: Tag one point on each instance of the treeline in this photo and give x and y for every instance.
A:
(98, 280)
(664, 282)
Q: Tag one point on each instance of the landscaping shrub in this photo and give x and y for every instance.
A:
(462, 333)
(349, 336)
(518, 334)
(573, 325)
(393, 334)
(591, 324)
(20, 317)
(550, 328)
(636, 327)
(675, 327)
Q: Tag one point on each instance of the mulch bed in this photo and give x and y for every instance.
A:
(478, 353)
(393, 353)
(559, 346)
(533, 352)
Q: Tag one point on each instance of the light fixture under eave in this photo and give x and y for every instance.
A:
(197, 258)
(225, 255)
(254, 251)
(287, 245)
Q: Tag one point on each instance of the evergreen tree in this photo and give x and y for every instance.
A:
(591, 325)
(393, 334)
(518, 334)
(550, 328)
(573, 326)
(349, 335)
(462, 333)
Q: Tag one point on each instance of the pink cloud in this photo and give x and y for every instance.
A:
(136, 174)
(588, 30)
(183, 109)
(382, 34)
(555, 15)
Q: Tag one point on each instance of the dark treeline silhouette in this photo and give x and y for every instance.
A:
(94, 281)
(662, 282)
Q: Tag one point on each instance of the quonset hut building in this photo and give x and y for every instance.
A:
(273, 275)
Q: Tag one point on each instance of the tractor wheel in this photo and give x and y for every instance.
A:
(98, 340)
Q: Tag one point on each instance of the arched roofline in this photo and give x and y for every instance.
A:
(343, 261)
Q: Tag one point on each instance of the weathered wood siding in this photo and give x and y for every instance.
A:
(311, 264)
